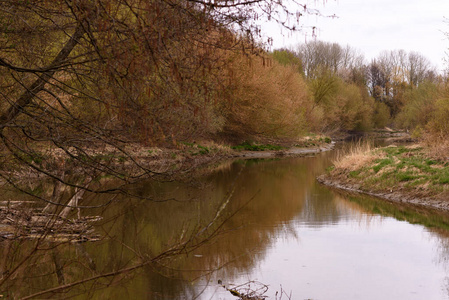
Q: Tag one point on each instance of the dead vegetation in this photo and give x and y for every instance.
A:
(253, 290)
(356, 157)
(27, 223)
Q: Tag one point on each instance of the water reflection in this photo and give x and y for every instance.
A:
(282, 228)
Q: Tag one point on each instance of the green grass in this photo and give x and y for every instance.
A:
(354, 174)
(329, 169)
(406, 176)
(257, 147)
(405, 167)
(382, 163)
(33, 157)
(197, 149)
(326, 139)
(203, 150)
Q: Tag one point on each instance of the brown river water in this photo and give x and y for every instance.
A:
(284, 233)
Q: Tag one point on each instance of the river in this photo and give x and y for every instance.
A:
(284, 233)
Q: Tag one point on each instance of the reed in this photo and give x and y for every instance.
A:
(356, 156)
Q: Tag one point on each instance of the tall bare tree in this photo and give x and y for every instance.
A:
(318, 56)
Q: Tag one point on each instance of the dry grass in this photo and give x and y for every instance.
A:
(359, 155)
(437, 147)
(405, 168)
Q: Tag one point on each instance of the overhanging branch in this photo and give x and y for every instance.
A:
(38, 85)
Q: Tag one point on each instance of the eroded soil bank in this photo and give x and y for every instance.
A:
(403, 174)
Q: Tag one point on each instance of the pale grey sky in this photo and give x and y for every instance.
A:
(375, 25)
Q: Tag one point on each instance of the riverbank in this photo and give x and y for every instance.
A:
(404, 174)
(134, 160)
(187, 157)
(21, 218)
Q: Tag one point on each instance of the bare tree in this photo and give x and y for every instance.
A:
(417, 68)
(319, 56)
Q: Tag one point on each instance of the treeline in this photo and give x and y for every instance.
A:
(397, 88)
(76, 73)
(81, 72)
(158, 72)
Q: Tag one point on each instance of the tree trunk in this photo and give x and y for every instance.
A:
(25, 99)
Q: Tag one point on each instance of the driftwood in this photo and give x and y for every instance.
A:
(23, 223)
(73, 203)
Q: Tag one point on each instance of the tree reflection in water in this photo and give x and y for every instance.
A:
(154, 249)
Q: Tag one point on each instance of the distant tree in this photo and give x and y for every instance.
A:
(393, 72)
(446, 58)
(418, 68)
(318, 56)
(377, 81)
(288, 58)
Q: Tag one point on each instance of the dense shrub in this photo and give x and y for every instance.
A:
(426, 113)
(381, 115)
(288, 58)
(419, 106)
(342, 105)
(268, 99)
(436, 134)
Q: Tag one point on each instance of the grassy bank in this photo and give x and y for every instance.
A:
(398, 173)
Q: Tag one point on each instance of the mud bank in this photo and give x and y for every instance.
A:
(403, 197)
(290, 152)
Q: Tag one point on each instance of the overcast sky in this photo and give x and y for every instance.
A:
(375, 25)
